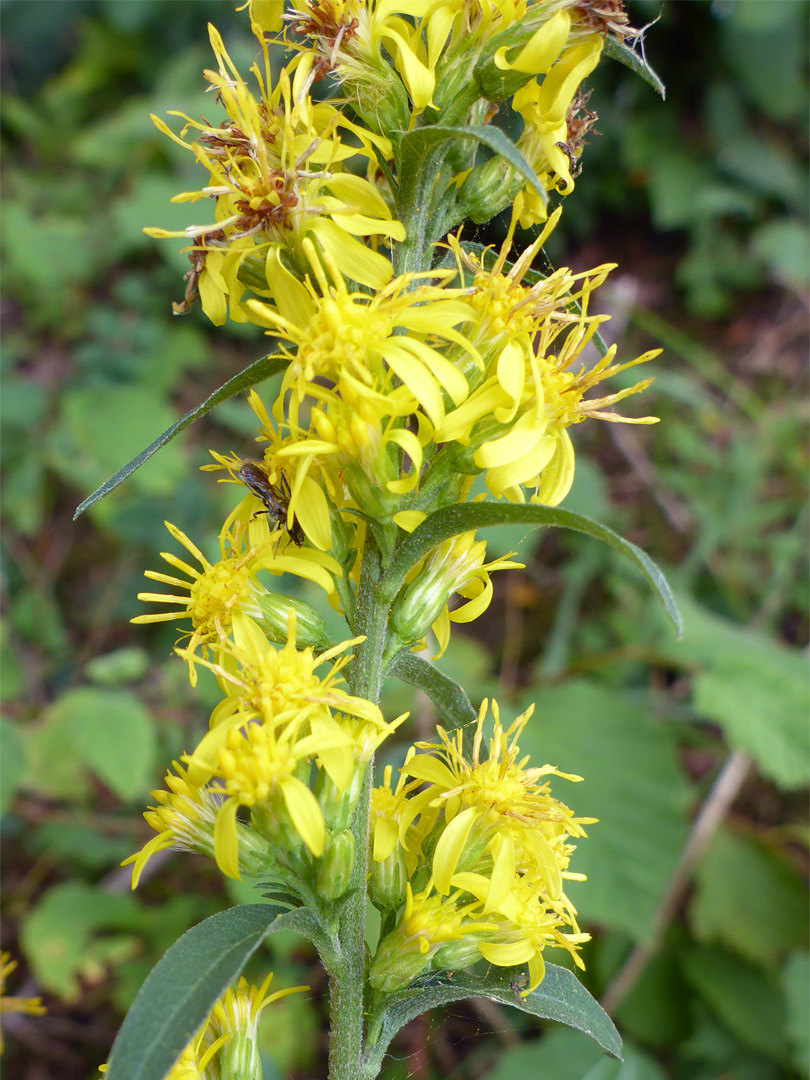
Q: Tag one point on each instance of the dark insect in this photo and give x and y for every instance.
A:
(276, 498)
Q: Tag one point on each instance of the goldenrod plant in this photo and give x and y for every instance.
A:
(412, 361)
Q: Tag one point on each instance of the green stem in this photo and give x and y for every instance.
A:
(348, 975)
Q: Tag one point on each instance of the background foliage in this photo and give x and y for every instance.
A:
(702, 202)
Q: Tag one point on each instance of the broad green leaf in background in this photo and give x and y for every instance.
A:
(12, 762)
(567, 1055)
(183, 986)
(62, 938)
(756, 689)
(119, 666)
(631, 782)
(749, 898)
(115, 735)
(795, 981)
(746, 998)
(56, 765)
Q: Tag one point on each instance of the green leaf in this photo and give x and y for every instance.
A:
(183, 986)
(12, 762)
(794, 979)
(563, 1054)
(453, 520)
(745, 998)
(560, 996)
(631, 782)
(255, 373)
(61, 936)
(636, 62)
(755, 688)
(739, 885)
(418, 143)
(115, 735)
(449, 698)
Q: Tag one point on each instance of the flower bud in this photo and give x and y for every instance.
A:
(387, 882)
(380, 101)
(395, 965)
(336, 865)
(488, 189)
(310, 629)
(239, 1058)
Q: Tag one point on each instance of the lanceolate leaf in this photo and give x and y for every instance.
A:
(418, 143)
(560, 996)
(257, 372)
(182, 987)
(448, 697)
(453, 520)
(618, 50)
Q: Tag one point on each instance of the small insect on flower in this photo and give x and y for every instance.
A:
(276, 497)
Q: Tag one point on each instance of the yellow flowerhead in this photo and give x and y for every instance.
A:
(529, 924)
(276, 172)
(428, 923)
(530, 391)
(496, 809)
(456, 566)
(216, 592)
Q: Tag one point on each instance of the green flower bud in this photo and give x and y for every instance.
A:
(387, 882)
(488, 189)
(336, 865)
(380, 100)
(396, 964)
(456, 954)
(239, 1058)
(310, 629)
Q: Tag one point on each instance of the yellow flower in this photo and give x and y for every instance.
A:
(32, 1006)
(377, 345)
(184, 820)
(428, 923)
(455, 566)
(530, 924)
(276, 172)
(498, 809)
(348, 38)
(260, 764)
(220, 589)
(514, 420)
(236, 1018)
(546, 113)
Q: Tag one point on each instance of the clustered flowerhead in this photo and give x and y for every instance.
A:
(486, 850)
(414, 362)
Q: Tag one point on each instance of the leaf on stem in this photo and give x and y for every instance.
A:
(560, 996)
(636, 62)
(417, 145)
(185, 983)
(449, 698)
(255, 373)
(453, 520)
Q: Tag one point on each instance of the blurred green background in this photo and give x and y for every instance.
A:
(700, 949)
